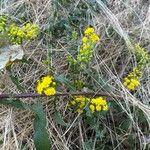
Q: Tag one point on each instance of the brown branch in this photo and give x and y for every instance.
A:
(34, 95)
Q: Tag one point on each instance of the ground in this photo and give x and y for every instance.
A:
(120, 24)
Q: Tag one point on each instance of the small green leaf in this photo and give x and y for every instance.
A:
(59, 119)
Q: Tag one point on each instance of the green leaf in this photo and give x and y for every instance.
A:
(15, 103)
(16, 82)
(101, 132)
(59, 119)
(24, 60)
(125, 124)
(64, 80)
(115, 106)
(41, 139)
(141, 116)
(88, 144)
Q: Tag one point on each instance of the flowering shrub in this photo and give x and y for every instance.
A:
(46, 85)
(85, 53)
(142, 56)
(98, 104)
(2, 23)
(16, 34)
(12, 37)
(92, 109)
(89, 40)
(94, 104)
(132, 80)
(103, 116)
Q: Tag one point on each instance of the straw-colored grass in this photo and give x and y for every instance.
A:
(120, 24)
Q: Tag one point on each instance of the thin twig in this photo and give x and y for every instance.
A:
(35, 95)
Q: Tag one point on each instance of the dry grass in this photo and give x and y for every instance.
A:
(120, 24)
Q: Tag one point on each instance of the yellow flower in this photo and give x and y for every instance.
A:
(81, 51)
(126, 81)
(131, 87)
(131, 84)
(92, 108)
(105, 107)
(47, 80)
(132, 79)
(54, 83)
(94, 38)
(39, 87)
(30, 30)
(14, 30)
(94, 104)
(17, 34)
(141, 55)
(79, 98)
(82, 104)
(27, 26)
(73, 102)
(45, 85)
(79, 110)
(86, 45)
(88, 31)
(50, 91)
(99, 103)
(84, 39)
(135, 82)
(89, 40)
(93, 101)
(20, 33)
(98, 107)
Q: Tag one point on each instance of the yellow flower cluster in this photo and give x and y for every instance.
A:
(132, 79)
(17, 34)
(30, 30)
(2, 23)
(142, 56)
(94, 104)
(79, 102)
(46, 85)
(78, 84)
(14, 30)
(89, 40)
(98, 104)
